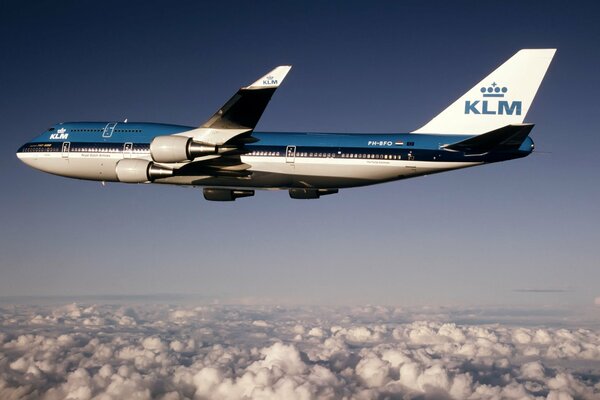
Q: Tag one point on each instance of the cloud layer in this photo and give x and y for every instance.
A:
(235, 352)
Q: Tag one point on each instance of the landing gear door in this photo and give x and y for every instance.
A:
(127, 150)
(66, 147)
(290, 154)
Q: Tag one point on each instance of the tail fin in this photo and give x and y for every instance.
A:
(502, 98)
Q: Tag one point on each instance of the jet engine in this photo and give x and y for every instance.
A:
(306, 193)
(226, 194)
(173, 149)
(140, 171)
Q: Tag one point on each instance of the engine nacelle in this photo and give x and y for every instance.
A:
(225, 194)
(140, 171)
(173, 149)
(306, 193)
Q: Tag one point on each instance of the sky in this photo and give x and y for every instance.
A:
(524, 232)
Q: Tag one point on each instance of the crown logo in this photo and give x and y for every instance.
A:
(494, 90)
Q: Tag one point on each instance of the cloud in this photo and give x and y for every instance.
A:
(105, 352)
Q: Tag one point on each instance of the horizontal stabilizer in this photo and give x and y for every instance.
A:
(509, 137)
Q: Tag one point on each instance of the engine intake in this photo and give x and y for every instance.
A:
(140, 171)
(225, 194)
(173, 149)
(305, 193)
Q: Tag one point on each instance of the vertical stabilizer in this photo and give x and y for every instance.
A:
(502, 98)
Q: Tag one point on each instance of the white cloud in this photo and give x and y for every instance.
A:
(373, 371)
(316, 332)
(217, 352)
(533, 370)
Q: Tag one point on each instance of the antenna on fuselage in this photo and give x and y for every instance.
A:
(125, 120)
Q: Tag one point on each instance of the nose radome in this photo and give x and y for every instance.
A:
(20, 152)
(21, 155)
(28, 158)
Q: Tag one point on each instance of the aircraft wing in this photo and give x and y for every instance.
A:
(238, 117)
(245, 108)
(214, 148)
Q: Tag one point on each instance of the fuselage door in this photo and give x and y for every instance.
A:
(66, 147)
(109, 129)
(290, 154)
(127, 150)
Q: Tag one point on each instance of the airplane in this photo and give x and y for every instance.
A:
(230, 160)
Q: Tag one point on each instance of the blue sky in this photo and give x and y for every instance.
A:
(475, 236)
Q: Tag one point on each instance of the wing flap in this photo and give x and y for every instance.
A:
(230, 166)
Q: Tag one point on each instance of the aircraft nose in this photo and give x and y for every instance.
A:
(21, 152)
(44, 157)
(26, 157)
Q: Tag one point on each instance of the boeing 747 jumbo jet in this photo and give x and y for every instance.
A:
(227, 157)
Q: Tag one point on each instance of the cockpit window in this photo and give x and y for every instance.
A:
(50, 129)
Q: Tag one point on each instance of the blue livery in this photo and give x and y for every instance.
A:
(229, 159)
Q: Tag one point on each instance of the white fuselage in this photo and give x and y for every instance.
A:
(273, 160)
(267, 171)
